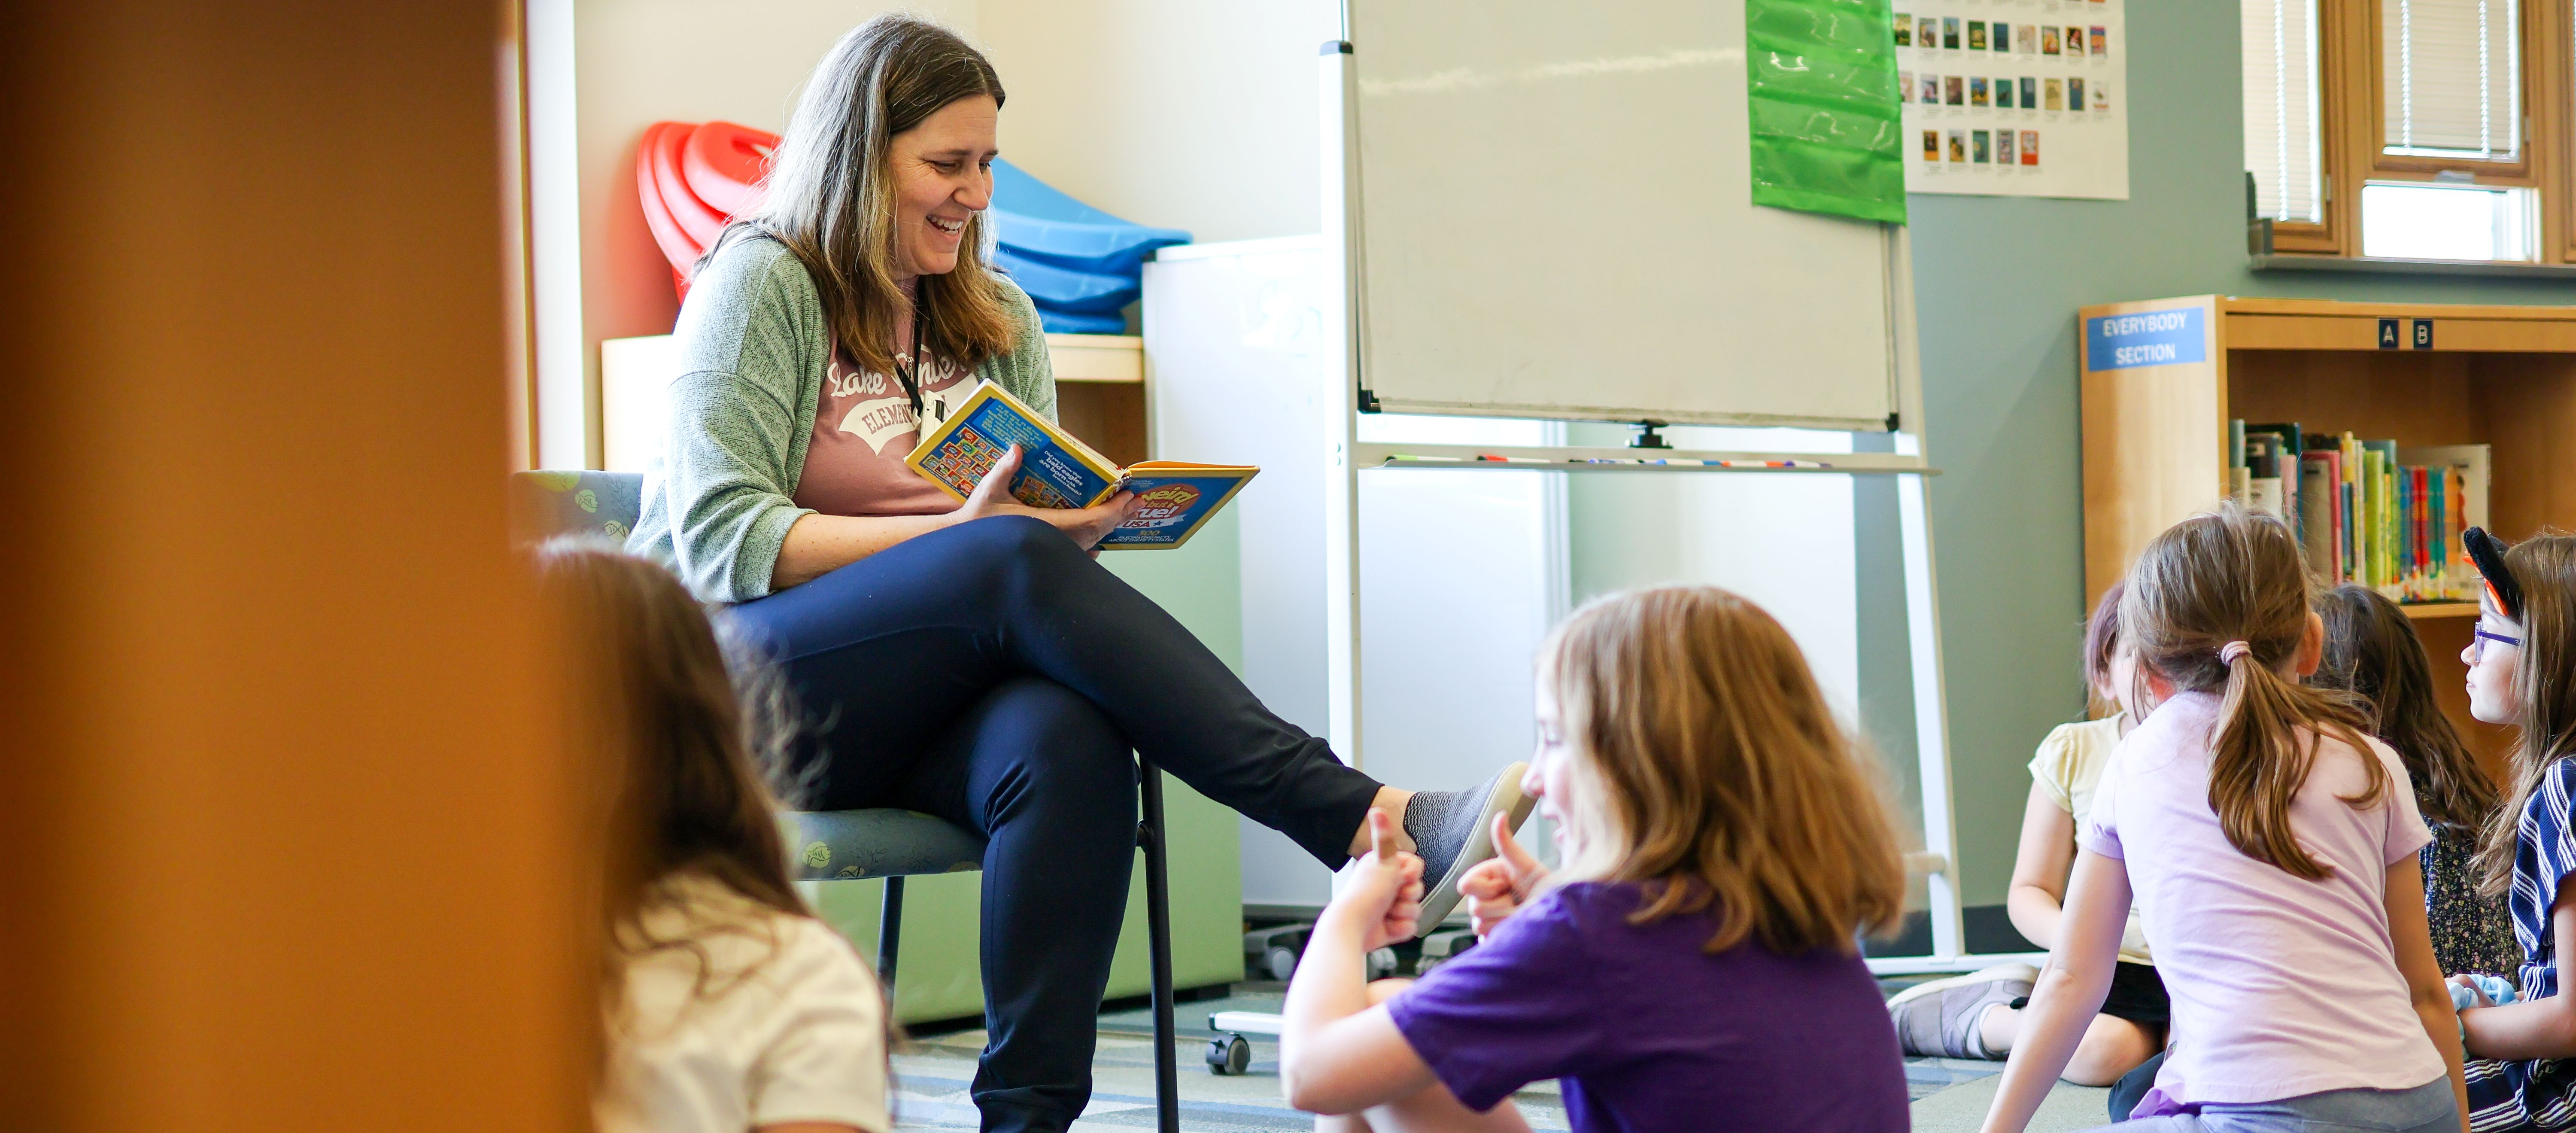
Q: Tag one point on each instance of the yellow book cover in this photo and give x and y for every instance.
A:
(1059, 471)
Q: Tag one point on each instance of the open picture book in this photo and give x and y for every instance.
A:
(1059, 471)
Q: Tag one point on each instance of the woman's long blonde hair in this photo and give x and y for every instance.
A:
(1714, 773)
(2227, 576)
(2544, 684)
(831, 193)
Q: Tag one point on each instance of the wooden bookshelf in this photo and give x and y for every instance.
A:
(2155, 433)
(1100, 391)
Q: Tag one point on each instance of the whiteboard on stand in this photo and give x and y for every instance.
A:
(1532, 243)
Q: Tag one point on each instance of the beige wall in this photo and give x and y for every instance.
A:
(1183, 113)
(1196, 114)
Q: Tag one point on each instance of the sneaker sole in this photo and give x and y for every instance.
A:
(1439, 900)
(2015, 971)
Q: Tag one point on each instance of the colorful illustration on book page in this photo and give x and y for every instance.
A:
(2058, 70)
(962, 462)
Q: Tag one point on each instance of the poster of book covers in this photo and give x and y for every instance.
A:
(2015, 98)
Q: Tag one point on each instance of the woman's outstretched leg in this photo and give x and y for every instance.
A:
(887, 650)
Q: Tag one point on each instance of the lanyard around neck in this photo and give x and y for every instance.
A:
(907, 367)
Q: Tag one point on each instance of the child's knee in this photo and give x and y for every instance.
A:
(1380, 991)
(2110, 1048)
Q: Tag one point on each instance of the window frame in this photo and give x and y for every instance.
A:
(2353, 111)
(2322, 236)
(2522, 172)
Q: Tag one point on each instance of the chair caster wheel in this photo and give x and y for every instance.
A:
(1381, 963)
(1229, 1055)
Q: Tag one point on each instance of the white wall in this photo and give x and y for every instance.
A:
(1784, 541)
(1196, 114)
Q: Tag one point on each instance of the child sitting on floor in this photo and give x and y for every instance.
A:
(2522, 672)
(1692, 963)
(2373, 652)
(2272, 846)
(1979, 1015)
(728, 1007)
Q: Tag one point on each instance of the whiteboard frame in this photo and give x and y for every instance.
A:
(1899, 394)
(1346, 457)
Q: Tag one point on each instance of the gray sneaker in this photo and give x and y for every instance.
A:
(1454, 830)
(1935, 1018)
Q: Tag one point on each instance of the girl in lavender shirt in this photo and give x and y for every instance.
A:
(2271, 846)
(1692, 964)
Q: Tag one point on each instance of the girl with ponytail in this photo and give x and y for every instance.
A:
(2271, 847)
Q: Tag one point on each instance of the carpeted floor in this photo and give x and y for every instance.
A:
(1950, 1095)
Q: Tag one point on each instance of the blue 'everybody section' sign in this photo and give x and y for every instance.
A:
(2145, 338)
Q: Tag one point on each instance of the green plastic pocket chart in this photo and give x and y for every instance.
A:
(1828, 130)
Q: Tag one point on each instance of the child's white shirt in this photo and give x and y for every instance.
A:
(787, 1024)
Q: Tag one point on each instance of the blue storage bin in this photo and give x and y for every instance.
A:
(1062, 289)
(1041, 224)
(1067, 322)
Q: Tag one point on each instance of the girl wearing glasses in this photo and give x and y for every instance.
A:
(2522, 672)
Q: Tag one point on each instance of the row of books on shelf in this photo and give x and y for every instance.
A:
(2372, 512)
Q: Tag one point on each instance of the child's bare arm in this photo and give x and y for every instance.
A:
(2539, 1028)
(2038, 894)
(2404, 897)
(2070, 989)
(1338, 1054)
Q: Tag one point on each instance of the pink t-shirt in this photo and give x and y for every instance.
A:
(863, 428)
(2281, 986)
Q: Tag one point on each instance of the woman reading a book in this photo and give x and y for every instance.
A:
(968, 661)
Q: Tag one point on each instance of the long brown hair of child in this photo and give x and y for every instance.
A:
(2372, 651)
(679, 786)
(2544, 685)
(1716, 774)
(2101, 644)
(2231, 576)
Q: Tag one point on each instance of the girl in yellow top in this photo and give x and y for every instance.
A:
(1979, 1015)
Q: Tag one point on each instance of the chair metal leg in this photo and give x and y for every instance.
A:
(889, 938)
(1158, 923)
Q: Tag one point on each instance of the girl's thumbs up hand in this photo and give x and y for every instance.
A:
(1500, 885)
(1383, 891)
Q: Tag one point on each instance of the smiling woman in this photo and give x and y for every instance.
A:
(969, 661)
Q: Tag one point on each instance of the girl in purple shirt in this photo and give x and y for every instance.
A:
(1691, 965)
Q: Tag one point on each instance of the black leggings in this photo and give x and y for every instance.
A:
(993, 675)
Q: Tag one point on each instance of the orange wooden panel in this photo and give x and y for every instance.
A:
(1108, 416)
(2417, 397)
(2361, 332)
(2527, 404)
(286, 824)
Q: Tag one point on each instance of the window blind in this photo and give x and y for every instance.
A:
(2283, 146)
(2450, 76)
